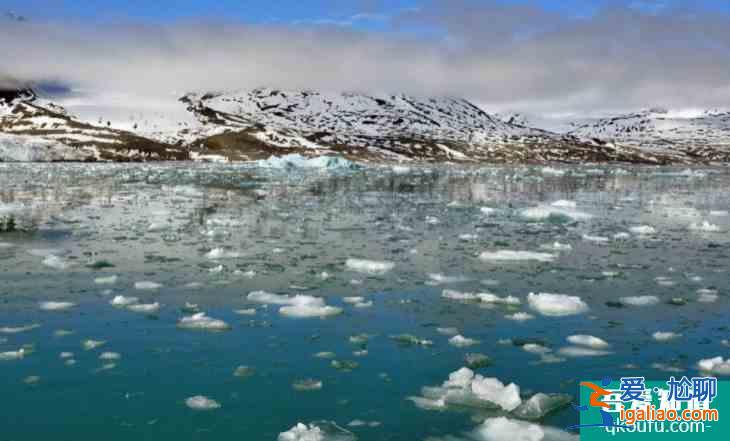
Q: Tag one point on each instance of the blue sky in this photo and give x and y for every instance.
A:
(358, 13)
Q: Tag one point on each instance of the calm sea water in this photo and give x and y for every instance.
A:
(211, 234)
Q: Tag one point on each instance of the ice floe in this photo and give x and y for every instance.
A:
(142, 308)
(56, 306)
(556, 305)
(307, 385)
(716, 366)
(665, 336)
(370, 267)
(18, 329)
(519, 317)
(440, 279)
(202, 322)
(506, 429)
(639, 300)
(705, 295)
(110, 356)
(55, 262)
(705, 227)
(462, 342)
(13, 355)
(302, 306)
(147, 285)
(222, 253)
(643, 230)
(122, 301)
(317, 431)
(200, 402)
(587, 341)
(90, 345)
(557, 246)
(516, 256)
(554, 213)
(595, 239)
(488, 298)
(268, 298)
(109, 280)
(580, 351)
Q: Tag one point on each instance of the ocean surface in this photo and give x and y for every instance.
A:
(537, 276)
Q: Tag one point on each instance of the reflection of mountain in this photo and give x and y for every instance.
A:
(264, 122)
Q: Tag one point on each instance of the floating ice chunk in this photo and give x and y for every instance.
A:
(506, 429)
(361, 423)
(540, 405)
(516, 256)
(307, 385)
(244, 372)
(643, 230)
(110, 280)
(368, 304)
(466, 237)
(353, 300)
(564, 204)
(56, 306)
(639, 300)
(18, 329)
(462, 342)
(556, 305)
(296, 160)
(557, 246)
(595, 239)
(222, 253)
(62, 333)
(325, 355)
(371, 267)
(519, 316)
(156, 227)
(476, 360)
(122, 301)
(665, 336)
(202, 322)
(495, 299)
(200, 402)
(302, 306)
(141, 308)
(534, 348)
(110, 356)
(491, 389)
(588, 341)
(553, 213)
(55, 262)
(717, 366)
(45, 252)
(268, 298)
(551, 171)
(317, 431)
(705, 227)
(622, 236)
(438, 279)
(90, 345)
(400, 169)
(447, 331)
(707, 295)
(578, 351)
(13, 355)
(487, 211)
(147, 286)
(66, 355)
(249, 311)
(458, 295)
(664, 281)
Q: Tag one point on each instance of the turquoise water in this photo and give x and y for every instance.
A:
(211, 234)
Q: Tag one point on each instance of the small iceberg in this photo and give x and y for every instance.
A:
(663, 337)
(147, 285)
(588, 341)
(13, 355)
(716, 366)
(202, 322)
(705, 227)
(516, 256)
(643, 230)
(110, 280)
(56, 306)
(462, 342)
(370, 267)
(200, 402)
(556, 305)
(303, 306)
(18, 329)
(90, 345)
(122, 301)
(639, 300)
(317, 431)
(506, 429)
(141, 308)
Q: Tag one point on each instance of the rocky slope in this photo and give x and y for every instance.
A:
(266, 122)
(703, 136)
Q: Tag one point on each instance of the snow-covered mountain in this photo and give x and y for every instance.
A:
(697, 134)
(260, 123)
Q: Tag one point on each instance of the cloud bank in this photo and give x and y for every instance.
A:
(517, 56)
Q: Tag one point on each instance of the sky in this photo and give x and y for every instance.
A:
(547, 57)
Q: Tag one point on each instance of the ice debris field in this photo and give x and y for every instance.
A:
(323, 300)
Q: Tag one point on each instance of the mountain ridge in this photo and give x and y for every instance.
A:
(263, 122)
